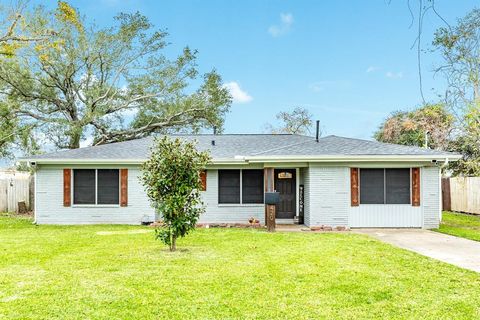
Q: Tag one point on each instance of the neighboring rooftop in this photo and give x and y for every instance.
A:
(234, 146)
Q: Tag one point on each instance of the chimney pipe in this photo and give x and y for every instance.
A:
(318, 131)
(214, 133)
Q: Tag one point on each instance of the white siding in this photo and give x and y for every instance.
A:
(49, 207)
(327, 202)
(430, 196)
(328, 196)
(427, 215)
(226, 213)
(386, 216)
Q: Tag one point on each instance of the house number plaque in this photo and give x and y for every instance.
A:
(270, 217)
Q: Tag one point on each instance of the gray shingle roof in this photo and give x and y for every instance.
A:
(229, 146)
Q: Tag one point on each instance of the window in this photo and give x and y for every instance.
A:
(397, 186)
(92, 186)
(384, 186)
(240, 186)
(228, 186)
(252, 186)
(107, 186)
(84, 186)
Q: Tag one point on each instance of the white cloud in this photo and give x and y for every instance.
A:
(319, 86)
(316, 86)
(238, 95)
(394, 75)
(286, 21)
(372, 69)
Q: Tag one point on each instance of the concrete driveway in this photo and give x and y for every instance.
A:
(457, 251)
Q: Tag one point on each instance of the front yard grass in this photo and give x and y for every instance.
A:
(121, 272)
(460, 225)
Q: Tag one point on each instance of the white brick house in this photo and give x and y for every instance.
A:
(331, 181)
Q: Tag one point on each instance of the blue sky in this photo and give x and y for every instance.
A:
(348, 62)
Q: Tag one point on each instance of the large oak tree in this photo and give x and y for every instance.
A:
(112, 83)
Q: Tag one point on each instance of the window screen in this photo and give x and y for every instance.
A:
(397, 184)
(107, 186)
(84, 186)
(228, 186)
(252, 186)
(372, 186)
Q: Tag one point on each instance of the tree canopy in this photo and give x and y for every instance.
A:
(467, 142)
(412, 127)
(112, 83)
(459, 47)
(14, 28)
(297, 121)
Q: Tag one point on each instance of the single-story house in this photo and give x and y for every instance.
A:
(330, 181)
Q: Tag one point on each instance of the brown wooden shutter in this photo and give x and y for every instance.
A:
(354, 187)
(416, 187)
(123, 187)
(67, 187)
(203, 178)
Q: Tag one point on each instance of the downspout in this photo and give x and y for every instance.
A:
(440, 187)
(34, 197)
(444, 164)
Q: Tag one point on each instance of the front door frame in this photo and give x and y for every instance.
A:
(294, 191)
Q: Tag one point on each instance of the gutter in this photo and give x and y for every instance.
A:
(360, 158)
(34, 161)
(244, 160)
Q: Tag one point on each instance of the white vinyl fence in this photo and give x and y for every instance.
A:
(465, 194)
(15, 187)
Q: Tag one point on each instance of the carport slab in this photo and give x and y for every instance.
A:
(461, 252)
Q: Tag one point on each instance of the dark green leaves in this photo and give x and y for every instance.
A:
(171, 178)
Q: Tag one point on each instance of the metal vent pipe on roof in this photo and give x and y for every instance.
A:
(214, 133)
(317, 134)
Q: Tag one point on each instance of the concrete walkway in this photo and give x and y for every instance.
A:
(461, 252)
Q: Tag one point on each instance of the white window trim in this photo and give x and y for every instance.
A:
(96, 204)
(384, 189)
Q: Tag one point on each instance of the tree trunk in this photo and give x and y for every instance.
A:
(75, 140)
(173, 243)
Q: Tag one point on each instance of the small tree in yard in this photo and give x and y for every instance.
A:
(171, 177)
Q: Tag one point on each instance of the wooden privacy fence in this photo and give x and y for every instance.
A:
(461, 194)
(15, 187)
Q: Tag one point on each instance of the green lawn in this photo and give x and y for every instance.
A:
(460, 225)
(121, 272)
